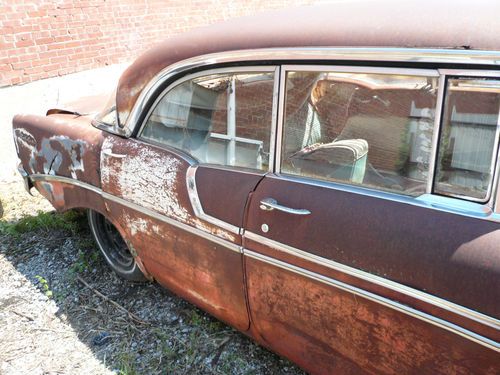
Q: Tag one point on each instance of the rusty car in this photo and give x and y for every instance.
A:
(323, 179)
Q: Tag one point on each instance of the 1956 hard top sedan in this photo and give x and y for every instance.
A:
(323, 179)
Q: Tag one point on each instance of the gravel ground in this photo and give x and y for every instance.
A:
(63, 311)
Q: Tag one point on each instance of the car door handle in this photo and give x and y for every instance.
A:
(108, 152)
(269, 204)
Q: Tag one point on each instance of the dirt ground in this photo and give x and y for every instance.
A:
(62, 311)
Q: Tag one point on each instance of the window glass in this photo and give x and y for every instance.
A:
(373, 130)
(220, 119)
(467, 146)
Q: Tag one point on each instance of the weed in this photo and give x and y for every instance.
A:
(196, 318)
(44, 285)
(43, 221)
(126, 364)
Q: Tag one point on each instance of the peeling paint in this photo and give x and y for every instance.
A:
(54, 157)
(150, 178)
(53, 152)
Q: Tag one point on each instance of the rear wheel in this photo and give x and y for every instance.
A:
(114, 247)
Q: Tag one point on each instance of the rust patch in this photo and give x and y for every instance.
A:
(200, 271)
(323, 328)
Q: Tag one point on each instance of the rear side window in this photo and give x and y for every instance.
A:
(468, 141)
(367, 129)
(222, 119)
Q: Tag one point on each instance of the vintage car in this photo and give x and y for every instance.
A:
(323, 179)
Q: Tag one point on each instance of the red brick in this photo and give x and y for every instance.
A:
(69, 36)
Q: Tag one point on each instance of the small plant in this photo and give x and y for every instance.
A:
(43, 221)
(126, 364)
(195, 318)
(44, 284)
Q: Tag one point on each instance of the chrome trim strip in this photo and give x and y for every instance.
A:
(197, 206)
(435, 133)
(491, 344)
(377, 280)
(136, 207)
(281, 120)
(361, 69)
(66, 180)
(154, 87)
(408, 55)
(274, 121)
(175, 223)
(436, 202)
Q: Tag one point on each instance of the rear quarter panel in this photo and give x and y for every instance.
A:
(61, 145)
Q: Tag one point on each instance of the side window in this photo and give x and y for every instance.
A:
(373, 130)
(222, 119)
(468, 141)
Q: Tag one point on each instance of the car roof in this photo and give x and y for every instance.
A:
(442, 24)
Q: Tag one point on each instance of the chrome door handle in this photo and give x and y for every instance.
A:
(269, 204)
(108, 152)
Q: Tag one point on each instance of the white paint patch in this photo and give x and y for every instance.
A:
(149, 179)
(25, 140)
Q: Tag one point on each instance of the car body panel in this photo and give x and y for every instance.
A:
(138, 180)
(63, 145)
(323, 328)
(407, 244)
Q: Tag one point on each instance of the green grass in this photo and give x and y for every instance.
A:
(44, 222)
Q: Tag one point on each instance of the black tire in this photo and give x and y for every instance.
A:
(114, 248)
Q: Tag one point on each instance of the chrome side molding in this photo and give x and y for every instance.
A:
(491, 344)
(377, 280)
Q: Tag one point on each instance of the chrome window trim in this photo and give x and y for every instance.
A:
(275, 118)
(493, 193)
(408, 55)
(234, 69)
(491, 344)
(197, 206)
(360, 69)
(435, 133)
(377, 280)
(492, 186)
(281, 120)
(168, 220)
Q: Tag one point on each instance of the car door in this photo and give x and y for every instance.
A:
(357, 259)
(180, 189)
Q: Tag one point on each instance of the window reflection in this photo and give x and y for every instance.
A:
(468, 137)
(368, 129)
(220, 119)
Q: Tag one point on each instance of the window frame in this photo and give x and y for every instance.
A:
(350, 69)
(491, 192)
(491, 202)
(275, 69)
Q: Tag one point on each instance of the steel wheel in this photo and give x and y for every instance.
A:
(114, 247)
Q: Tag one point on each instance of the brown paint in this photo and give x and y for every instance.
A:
(447, 255)
(223, 192)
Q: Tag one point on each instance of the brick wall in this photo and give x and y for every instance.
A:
(41, 39)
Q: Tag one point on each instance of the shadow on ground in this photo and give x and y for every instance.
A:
(129, 328)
